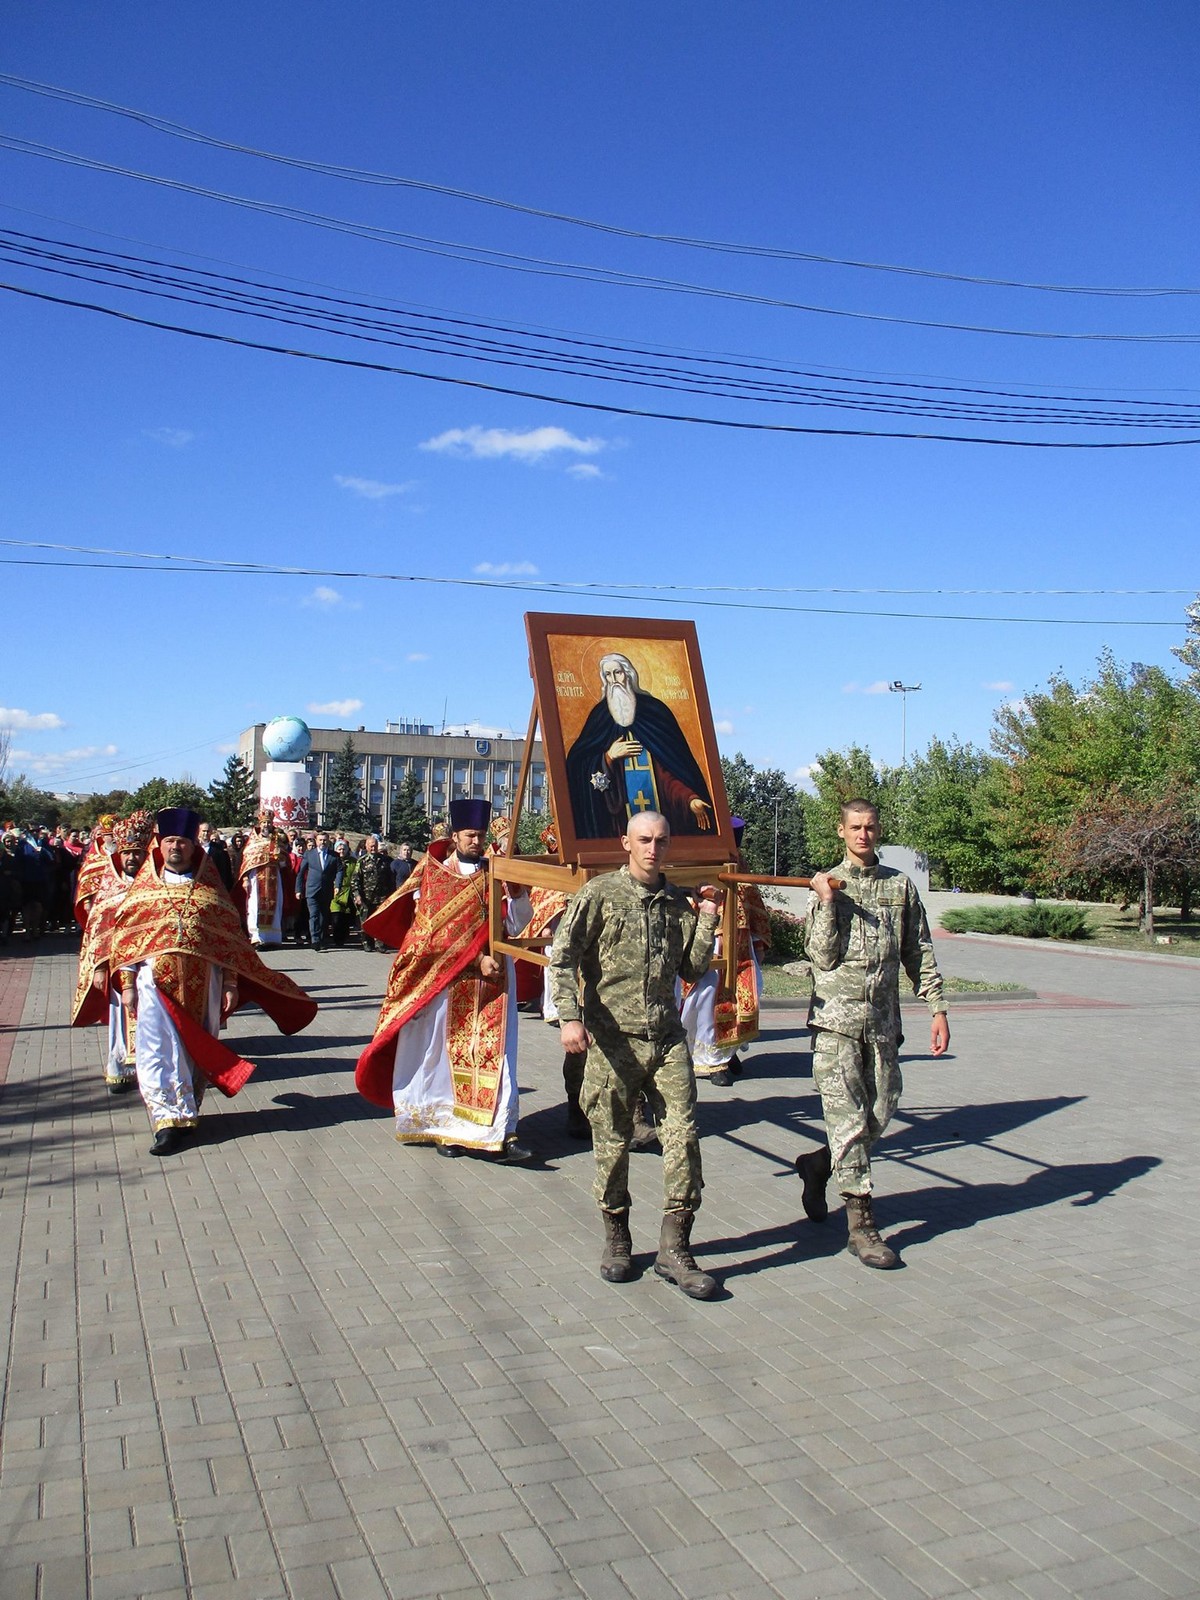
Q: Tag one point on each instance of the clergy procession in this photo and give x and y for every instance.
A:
(636, 978)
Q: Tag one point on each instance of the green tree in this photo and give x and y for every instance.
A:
(156, 794)
(1130, 732)
(773, 810)
(343, 799)
(409, 824)
(1189, 651)
(841, 775)
(233, 797)
(943, 811)
(22, 802)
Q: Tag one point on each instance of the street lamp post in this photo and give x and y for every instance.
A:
(903, 689)
(775, 867)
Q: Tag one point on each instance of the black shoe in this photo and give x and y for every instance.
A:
(167, 1141)
(121, 1085)
(450, 1150)
(735, 1067)
(723, 1079)
(514, 1153)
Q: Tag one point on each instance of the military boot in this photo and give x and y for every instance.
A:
(645, 1134)
(864, 1241)
(675, 1261)
(616, 1264)
(815, 1169)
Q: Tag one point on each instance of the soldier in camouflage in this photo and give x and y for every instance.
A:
(857, 938)
(628, 935)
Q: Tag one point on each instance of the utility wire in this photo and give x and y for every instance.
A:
(147, 561)
(726, 247)
(460, 337)
(577, 272)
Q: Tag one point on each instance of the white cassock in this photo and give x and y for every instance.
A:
(273, 934)
(118, 1068)
(698, 1014)
(422, 1087)
(165, 1072)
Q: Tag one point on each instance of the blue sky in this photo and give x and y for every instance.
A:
(1050, 143)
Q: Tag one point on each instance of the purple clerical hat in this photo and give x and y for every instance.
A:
(739, 828)
(178, 822)
(469, 814)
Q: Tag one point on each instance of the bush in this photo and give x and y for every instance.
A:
(1027, 922)
(787, 937)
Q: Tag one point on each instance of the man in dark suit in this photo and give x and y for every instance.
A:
(315, 882)
(213, 845)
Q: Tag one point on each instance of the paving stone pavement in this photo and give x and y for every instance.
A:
(301, 1361)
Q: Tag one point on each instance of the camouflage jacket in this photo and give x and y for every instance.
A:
(857, 944)
(373, 881)
(628, 944)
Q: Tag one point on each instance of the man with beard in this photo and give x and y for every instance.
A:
(262, 884)
(99, 984)
(185, 967)
(444, 1055)
(631, 756)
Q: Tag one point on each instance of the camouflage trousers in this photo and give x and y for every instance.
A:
(859, 1083)
(619, 1068)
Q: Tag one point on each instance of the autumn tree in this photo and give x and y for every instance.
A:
(1145, 833)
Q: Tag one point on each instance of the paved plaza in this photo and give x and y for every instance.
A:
(301, 1361)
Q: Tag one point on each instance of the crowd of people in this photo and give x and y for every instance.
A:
(175, 920)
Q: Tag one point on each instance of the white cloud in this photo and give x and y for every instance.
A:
(335, 708)
(174, 438)
(506, 569)
(491, 444)
(29, 721)
(880, 686)
(327, 599)
(371, 488)
(805, 776)
(584, 469)
(723, 727)
(416, 655)
(55, 761)
(225, 749)
(1001, 686)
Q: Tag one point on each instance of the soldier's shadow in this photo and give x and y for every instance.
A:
(292, 1113)
(933, 1211)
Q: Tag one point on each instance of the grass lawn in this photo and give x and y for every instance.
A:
(1118, 930)
(779, 984)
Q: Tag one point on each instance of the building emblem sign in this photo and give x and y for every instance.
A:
(483, 747)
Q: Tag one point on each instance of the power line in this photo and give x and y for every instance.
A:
(606, 361)
(157, 561)
(578, 272)
(726, 247)
(603, 407)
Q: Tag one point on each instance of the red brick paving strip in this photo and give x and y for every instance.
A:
(15, 973)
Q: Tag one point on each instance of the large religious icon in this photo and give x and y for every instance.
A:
(626, 728)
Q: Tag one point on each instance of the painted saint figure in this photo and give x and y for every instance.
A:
(631, 757)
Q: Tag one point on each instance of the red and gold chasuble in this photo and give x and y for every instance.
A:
(735, 1011)
(545, 905)
(439, 919)
(93, 871)
(95, 950)
(261, 856)
(183, 928)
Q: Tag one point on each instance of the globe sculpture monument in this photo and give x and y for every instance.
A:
(285, 786)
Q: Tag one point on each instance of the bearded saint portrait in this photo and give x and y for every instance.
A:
(631, 756)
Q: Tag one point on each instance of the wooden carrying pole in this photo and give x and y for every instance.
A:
(776, 883)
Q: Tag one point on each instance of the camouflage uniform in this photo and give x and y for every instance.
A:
(629, 943)
(857, 943)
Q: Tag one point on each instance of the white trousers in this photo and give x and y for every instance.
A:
(698, 1013)
(165, 1072)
